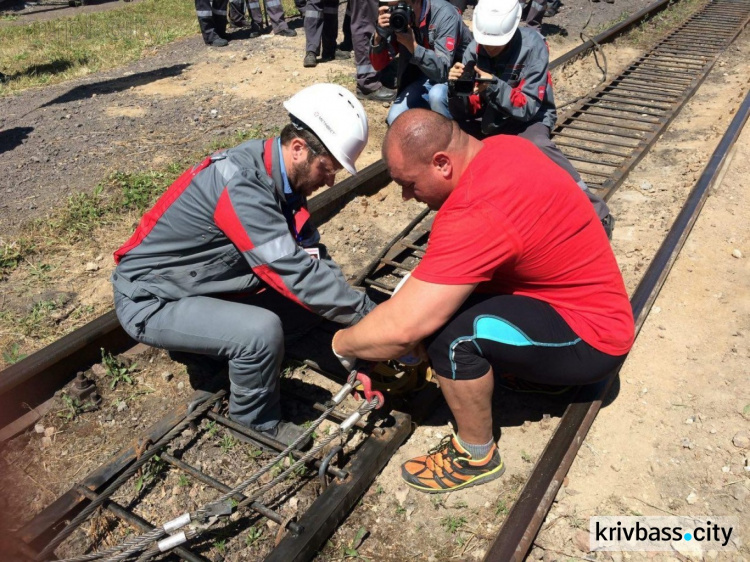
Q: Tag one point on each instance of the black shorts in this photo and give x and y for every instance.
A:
(515, 335)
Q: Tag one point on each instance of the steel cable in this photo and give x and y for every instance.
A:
(78, 519)
(203, 512)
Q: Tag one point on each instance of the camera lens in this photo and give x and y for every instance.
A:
(398, 22)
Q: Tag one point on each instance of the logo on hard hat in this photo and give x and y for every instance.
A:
(325, 124)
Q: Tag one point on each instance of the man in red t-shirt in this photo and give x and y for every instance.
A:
(518, 279)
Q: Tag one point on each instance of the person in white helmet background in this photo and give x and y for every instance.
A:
(227, 263)
(514, 93)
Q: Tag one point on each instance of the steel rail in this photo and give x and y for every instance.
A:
(525, 518)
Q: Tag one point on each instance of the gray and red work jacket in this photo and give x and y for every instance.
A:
(441, 38)
(523, 91)
(227, 226)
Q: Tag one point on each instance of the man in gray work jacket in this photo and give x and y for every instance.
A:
(433, 41)
(519, 100)
(227, 264)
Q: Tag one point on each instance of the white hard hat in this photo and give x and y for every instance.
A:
(495, 21)
(336, 117)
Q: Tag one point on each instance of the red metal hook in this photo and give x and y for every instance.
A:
(369, 393)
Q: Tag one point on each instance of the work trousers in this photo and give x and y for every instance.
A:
(275, 12)
(364, 16)
(248, 332)
(237, 12)
(539, 134)
(533, 12)
(422, 92)
(212, 18)
(321, 26)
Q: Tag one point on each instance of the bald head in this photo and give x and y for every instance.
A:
(420, 133)
(426, 154)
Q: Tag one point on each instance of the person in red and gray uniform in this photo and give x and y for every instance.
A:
(227, 264)
(435, 39)
(212, 19)
(520, 101)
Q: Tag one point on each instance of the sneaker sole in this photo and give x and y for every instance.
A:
(484, 478)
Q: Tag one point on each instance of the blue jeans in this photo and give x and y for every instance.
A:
(420, 94)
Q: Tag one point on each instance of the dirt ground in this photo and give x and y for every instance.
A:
(674, 438)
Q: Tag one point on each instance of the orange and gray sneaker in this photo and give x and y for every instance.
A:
(449, 467)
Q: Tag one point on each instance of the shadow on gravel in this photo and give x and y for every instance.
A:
(117, 84)
(13, 137)
(54, 67)
(513, 409)
(552, 29)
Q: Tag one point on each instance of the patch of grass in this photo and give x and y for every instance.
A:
(149, 472)
(238, 137)
(221, 545)
(38, 321)
(254, 534)
(12, 354)
(8, 17)
(501, 508)
(227, 443)
(452, 523)
(117, 370)
(13, 253)
(72, 407)
(350, 550)
(183, 481)
(138, 191)
(49, 52)
(341, 78)
(211, 428)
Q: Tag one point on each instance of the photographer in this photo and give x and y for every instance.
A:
(504, 86)
(428, 36)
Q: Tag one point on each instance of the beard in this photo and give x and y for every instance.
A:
(300, 180)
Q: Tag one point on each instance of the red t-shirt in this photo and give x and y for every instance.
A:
(516, 223)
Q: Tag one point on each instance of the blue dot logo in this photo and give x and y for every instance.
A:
(688, 536)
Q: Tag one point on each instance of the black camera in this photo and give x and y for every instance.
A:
(400, 17)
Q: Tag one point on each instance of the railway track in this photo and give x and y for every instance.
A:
(605, 115)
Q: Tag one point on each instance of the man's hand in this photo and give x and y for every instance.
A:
(408, 40)
(384, 17)
(346, 360)
(381, 25)
(480, 87)
(456, 71)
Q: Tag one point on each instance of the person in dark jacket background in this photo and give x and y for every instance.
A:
(227, 263)
(434, 40)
